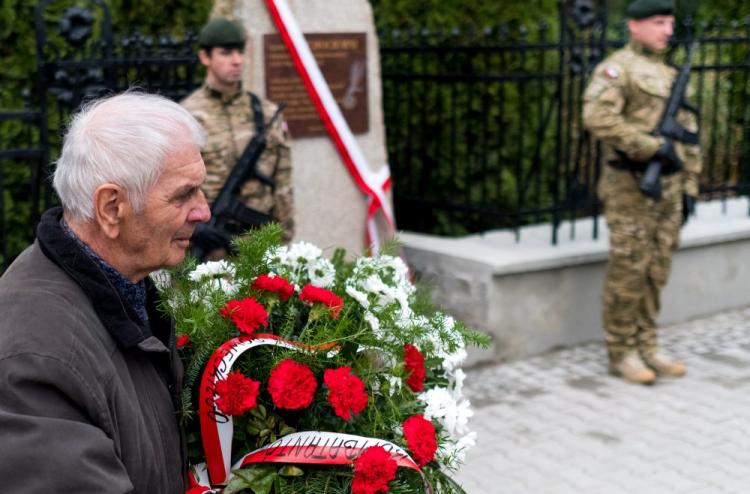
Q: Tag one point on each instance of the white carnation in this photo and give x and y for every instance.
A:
(360, 297)
(457, 382)
(452, 361)
(373, 321)
(453, 453)
(442, 406)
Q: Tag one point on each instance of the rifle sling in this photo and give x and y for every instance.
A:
(257, 110)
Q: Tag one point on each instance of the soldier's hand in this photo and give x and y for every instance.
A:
(209, 238)
(668, 155)
(688, 207)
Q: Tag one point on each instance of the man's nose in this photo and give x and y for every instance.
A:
(236, 57)
(201, 213)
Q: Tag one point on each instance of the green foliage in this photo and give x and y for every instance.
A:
(380, 310)
(18, 52)
(432, 14)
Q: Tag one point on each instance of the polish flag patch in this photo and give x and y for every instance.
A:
(611, 72)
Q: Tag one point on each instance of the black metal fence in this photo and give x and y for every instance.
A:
(22, 161)
(483, 127)
(78, 58)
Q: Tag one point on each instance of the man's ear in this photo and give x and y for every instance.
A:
(110, 206)
(204, 55)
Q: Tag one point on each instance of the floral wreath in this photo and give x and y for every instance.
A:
(309, 374)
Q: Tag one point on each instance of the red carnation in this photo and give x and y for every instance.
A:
(414, 363)
(346, 392)
(420, 436)
(314, 294)
(247, 314)
(182, 340)
(373, 470)
(236, 394)
(275, 284)
(292, 385)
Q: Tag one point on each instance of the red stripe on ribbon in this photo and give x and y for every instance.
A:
(211, 419)
(323, 111)
(209, 414)
(310, 447)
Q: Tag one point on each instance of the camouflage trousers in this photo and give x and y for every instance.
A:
(643, 233)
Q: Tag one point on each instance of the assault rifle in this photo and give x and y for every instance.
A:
(228, 214)
(671, 130)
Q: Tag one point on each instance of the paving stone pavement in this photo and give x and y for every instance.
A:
(559, 424)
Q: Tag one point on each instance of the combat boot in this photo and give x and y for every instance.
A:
(665, 366)
(631, 368)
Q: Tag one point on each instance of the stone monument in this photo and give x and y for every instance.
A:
(331, 209)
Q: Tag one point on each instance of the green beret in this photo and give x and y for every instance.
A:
(221, 32)
(640, 9)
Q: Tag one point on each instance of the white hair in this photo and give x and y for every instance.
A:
(124, 140)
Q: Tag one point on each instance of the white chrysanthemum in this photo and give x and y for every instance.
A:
(212, 269)
(301, 263)
(276, 255)
(321, 272)
(442, 406)
(225, 286)
(302, 253)
(205, 293)
(213, 276)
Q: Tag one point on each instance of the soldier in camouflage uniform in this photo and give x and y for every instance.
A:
(622, 105)
(226, 112)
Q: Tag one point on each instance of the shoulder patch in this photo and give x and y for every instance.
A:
(611, 72)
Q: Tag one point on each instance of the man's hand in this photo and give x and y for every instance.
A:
(688, 207)
(209, 238)
(668, 156)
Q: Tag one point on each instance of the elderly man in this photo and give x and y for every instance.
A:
(89, 376)
(622, 106)
(231, 117)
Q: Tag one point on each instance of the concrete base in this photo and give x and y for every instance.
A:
(531, 296)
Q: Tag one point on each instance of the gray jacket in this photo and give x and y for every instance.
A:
(88, 394)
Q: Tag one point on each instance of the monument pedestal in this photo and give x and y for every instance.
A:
(330, 208)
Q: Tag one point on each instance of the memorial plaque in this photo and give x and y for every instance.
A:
(342, 58)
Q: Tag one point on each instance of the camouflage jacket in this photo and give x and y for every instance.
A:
(229, 123)
(623, 102)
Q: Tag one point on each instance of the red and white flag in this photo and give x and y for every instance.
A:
(374, 185)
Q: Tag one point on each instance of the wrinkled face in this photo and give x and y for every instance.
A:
(653, 32)
(223, 66)
(158, 235)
